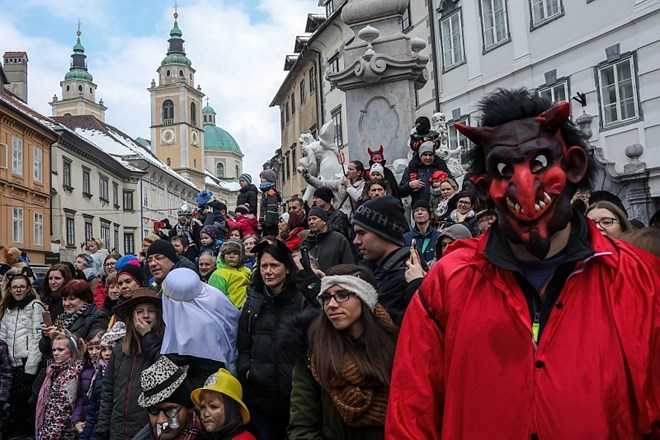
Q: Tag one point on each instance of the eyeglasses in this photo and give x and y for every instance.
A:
(18, 288)
(339, 297)
(606, 222)
(488, 219)
(463, 202)
(110, 264)
(169, 412)
(156, 257)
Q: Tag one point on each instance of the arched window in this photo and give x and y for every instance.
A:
(220, 170)
(238, 171)
(193, 114)
(168, 112)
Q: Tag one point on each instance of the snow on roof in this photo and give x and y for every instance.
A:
(12, 101)
(115, 142)
(227, 185)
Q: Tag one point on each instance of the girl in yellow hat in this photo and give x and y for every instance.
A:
(221, 408)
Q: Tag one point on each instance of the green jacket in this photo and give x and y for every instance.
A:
(231, 281)
(313, 416)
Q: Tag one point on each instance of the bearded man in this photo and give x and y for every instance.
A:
(542, 328)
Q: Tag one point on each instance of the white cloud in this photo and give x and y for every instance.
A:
(238, 62)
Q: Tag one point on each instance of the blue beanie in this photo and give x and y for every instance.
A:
(203, 197)
(246, 177)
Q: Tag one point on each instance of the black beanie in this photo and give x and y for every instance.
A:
(383, 216)
(324, 193)
(163, 247)
(134, 271)
(315, 211)
(422, 204)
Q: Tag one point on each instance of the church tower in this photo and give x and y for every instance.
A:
(177, 136)
(78, 88)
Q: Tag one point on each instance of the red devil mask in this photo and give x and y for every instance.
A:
(528, 166)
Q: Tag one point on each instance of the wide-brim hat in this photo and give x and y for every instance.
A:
(223, 382)
(160, 381)
(140, 296)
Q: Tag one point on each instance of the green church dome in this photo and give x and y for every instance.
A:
(176, 58)
(78, 74)
(208, 109)
(217, 139)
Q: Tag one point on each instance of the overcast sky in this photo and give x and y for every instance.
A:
(236, 46)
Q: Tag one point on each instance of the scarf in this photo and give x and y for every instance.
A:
(53, 371)
(266, 186)
(186, 230)
(12, 303)
(358, 403)
(65, 320)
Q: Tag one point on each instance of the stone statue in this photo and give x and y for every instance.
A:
(320, 157)
(452, 157)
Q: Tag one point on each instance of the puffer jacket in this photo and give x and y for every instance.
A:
(248, 196)
(21, 330)
(120, 416)
(268, 385)
(391, 283)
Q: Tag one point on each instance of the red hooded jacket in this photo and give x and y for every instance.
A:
(467, 367)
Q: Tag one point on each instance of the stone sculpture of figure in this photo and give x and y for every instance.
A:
(439, 124)
(320, 156)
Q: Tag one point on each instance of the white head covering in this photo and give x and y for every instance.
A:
(199, 319)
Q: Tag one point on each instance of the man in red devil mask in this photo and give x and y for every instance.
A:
(542, 328)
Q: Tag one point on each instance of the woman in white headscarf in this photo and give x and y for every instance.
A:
(201, 326)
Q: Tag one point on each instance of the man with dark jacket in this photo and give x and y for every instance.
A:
(379, 225)
(161, 259)
(417, 185)
(330, 248)
(337, 220)
(247, 195)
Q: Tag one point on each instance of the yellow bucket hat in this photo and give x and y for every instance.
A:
(224, 383)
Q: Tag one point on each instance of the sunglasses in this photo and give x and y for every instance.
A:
(169, 412)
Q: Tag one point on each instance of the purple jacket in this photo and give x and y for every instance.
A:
(80, 410)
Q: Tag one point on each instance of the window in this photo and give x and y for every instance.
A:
(193, 114)
(128, 200)
(302, 91)
(38, 229)
(282, 120)
(617, 89)
(455, 139)
(405, 19)
(89, 228)
(37, 161)
(336, 118)
(17, 156)
(116, 233)
(105, 233)
(220, 170)
(544, 10)
(129, 243)
(555, 93)
(329, 8)
(293, 104)
(333, 64)
(86, 183)
(17, 225)
(115, 194)
(494, 22)
(287, 112)
(451, 30)
(168, 112)
(103, 189)
(66, 174)
(238, 171)
(3, 155)
(70, 230)
(294, 158)
(312, 79)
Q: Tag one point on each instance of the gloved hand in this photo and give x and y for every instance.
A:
(309, 285)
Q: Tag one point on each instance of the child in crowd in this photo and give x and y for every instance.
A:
(249, 242)
(245, 221)
(231, 276)
(210, 241)
(57, 395)
(107, 342)
(235, 233)
(436, 193)
(90, 361)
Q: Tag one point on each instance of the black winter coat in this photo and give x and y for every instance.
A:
(248, 196)
(391, 283)
(92, 320)
(330, 248)
(120, 416)
(424, 174)
(268, 386)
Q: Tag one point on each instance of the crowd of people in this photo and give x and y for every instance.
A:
(521, 305)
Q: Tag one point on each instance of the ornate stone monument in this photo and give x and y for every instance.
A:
(383, 68)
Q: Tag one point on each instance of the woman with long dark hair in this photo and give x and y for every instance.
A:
(120, 416)
(265, 372)
(56, 277)
(20, 327)
(341, 389)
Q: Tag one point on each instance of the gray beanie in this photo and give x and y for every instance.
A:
(268, 175)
